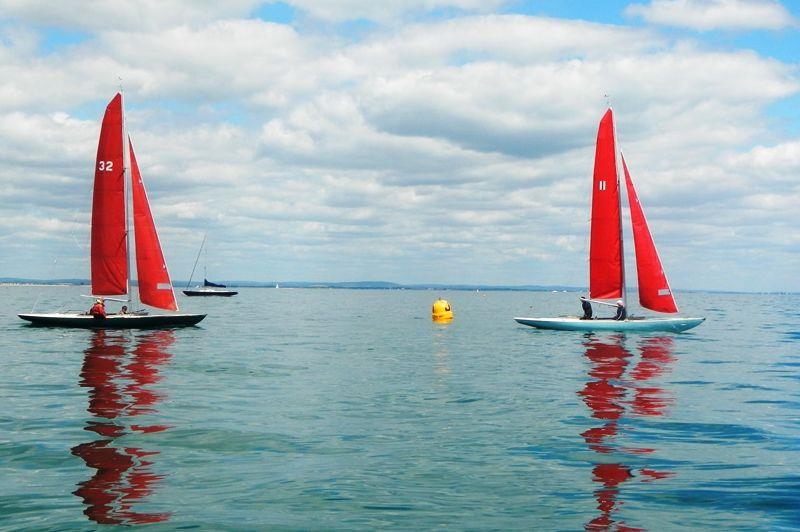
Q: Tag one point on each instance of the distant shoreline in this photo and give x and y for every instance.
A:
(40, 284)
(366, 285)
(361, 285)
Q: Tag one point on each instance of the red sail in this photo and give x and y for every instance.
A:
(155, 288)
(605, 249)
(109, 245)
(654, 291)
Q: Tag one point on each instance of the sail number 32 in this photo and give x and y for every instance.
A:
(105, 166)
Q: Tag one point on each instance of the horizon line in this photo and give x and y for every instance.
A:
(378, 285)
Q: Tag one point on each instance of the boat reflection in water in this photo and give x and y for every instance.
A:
(612, 393)
(119, 370)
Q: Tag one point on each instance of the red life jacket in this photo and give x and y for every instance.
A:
(98, 310)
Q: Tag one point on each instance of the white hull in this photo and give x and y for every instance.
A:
(201, 292)
(569, 323)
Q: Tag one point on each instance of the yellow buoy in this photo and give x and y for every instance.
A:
(441, 310)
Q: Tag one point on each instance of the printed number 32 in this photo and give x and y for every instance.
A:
(106, 166)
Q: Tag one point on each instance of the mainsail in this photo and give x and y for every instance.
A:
(109, 243)
(605, 249)
(654, 291)
(155, 288)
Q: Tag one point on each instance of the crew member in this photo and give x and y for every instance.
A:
(98, 310)
(587, 309)
(621, 312)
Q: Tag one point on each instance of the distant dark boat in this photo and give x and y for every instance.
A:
(200, 292)
(117, 178)
(208, 289)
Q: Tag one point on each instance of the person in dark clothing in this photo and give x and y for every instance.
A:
(622, 314)
(98, 310)
(587, 309)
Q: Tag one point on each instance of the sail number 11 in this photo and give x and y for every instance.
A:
(105, 166)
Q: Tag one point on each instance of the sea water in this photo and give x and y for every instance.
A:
(348, 409)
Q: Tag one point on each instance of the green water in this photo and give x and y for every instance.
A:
(347, 409)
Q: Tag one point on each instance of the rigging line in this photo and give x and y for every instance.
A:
(55, 260)
(42, 287)
(72, 233)
(197, 259)
(587, 230)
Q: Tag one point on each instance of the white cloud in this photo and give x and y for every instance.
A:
(507, 38)
(146, 15)
(107, 15)
(705, 15)
(780, 162)
(467, 141)
(385, 10)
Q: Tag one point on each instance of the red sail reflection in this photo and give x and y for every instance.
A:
(611, 396)
(656, 360)
(117, 369)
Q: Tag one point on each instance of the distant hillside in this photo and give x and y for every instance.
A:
(362, 285)
(350, 285)
(17, 280)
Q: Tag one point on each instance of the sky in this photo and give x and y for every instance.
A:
(415, 141)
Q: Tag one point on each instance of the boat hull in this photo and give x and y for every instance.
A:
(632, 325)
(206, 293)
(113, 321)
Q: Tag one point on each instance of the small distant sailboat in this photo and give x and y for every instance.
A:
(208, 288)
(606, 257)
(116, 173)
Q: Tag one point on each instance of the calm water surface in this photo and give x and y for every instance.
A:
(337, 409)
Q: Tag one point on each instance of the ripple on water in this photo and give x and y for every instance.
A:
(338, 409)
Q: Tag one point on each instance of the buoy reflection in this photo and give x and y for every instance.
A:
(119, 370)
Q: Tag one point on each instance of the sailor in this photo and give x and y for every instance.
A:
(98, 310)
(587, 309)
(622, 314)
(124, 309)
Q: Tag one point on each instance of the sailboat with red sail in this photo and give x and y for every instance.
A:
(118, 182)
(606, 255)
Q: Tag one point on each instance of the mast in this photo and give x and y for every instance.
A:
(617, 166)
(197, 259)
(126, 176)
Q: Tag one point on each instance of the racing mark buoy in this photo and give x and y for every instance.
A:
(441, 311)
